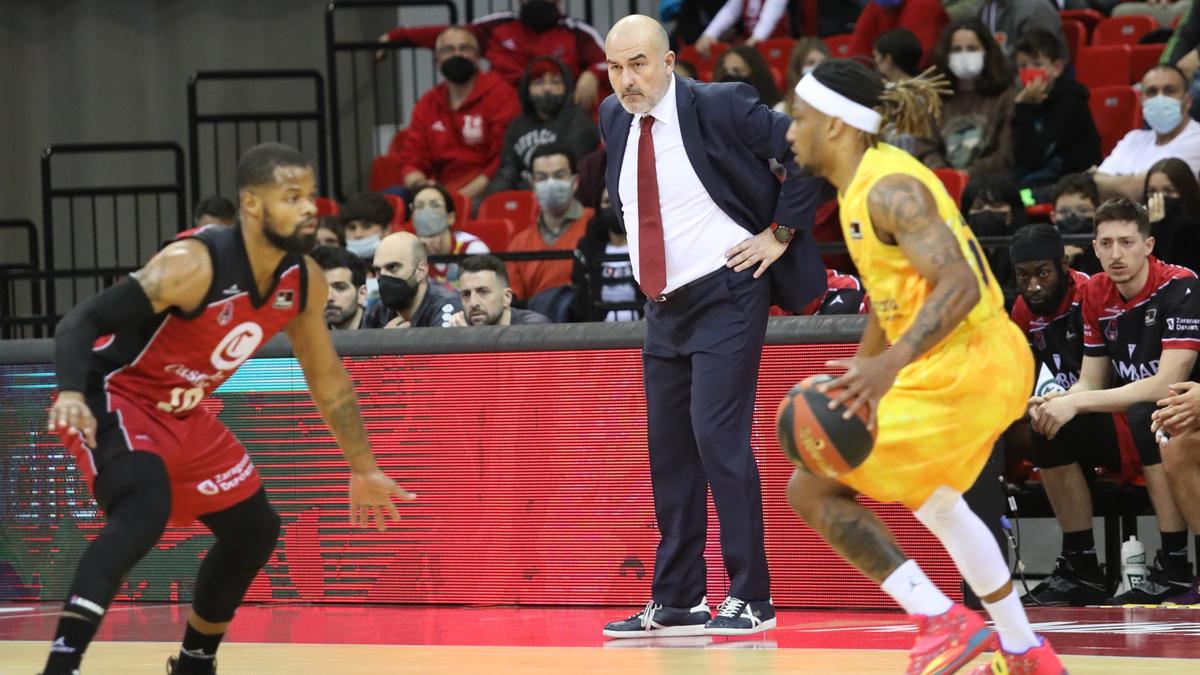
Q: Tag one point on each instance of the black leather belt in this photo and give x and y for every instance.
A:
(691, 284)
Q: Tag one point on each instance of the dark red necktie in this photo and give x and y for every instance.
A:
(652, 259)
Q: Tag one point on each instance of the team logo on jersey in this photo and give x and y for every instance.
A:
(208, 488)
(472, 131)
(1110, 330)
(855, 229)
(1151, 314)
(285, 299)
(226, 315)
(237, 346)
(1039, 340)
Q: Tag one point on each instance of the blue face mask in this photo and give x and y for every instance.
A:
(1162, 113)
(364, 247)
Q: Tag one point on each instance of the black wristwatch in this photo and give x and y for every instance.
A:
(784, 234)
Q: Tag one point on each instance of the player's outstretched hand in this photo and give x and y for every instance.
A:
(371, 494)
(866, 380)
(70, 412)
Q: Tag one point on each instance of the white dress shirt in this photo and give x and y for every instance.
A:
(696, 232)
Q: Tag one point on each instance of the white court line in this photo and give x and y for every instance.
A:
(9, 610)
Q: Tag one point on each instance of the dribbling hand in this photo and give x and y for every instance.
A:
(371, 494)
(70, 412)
(866, 380)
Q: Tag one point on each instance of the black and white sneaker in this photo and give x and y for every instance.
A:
(173, 662)
(1066, 587)
(738, 617)
(659, 621)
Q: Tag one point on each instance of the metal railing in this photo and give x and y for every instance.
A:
(90, 227)
(216, 137)
(13, 302)
(18, 285)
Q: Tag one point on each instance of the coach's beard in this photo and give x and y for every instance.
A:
(648, 101)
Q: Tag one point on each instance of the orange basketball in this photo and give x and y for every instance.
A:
(820, 438)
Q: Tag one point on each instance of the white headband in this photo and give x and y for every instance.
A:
(834, 104)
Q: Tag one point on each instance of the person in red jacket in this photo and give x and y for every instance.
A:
(924, 18)
(510, 40)
(457, 128)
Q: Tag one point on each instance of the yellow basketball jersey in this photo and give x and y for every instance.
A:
(896, 290)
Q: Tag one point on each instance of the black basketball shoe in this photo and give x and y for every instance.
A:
(1067, 587)
(738, 617)
(659, 621)
(173, 661)
(1160, 583)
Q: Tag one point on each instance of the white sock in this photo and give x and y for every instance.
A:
(913, 591)
(1016, 635)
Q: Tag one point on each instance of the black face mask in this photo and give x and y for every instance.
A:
(988, 223)
(548, 104)
(539, 15)
(396, 293)
(1074, 224)
(1172, 206)
(607, 218)
(458, 69)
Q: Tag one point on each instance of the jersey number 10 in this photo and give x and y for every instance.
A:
(182, 400)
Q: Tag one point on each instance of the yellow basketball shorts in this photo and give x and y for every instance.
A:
(939, 421)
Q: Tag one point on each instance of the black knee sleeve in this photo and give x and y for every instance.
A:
(135, 493)
(1139, 426)
(246, 536)
(1090, 440)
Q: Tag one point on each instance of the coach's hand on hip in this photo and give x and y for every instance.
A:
(762, 249)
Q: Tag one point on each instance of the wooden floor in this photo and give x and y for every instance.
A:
(135, 658)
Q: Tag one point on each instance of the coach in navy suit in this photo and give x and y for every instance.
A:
(688, 172)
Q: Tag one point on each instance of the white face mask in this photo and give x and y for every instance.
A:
(364, 247)
(966, 65)
(804, 70)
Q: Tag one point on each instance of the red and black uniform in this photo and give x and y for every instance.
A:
(1093, 439)
(844, 295)
(1165, 314)
(145, 382)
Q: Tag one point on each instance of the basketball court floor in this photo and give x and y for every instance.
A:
(306, 639)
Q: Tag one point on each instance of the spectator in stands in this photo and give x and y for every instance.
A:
(605, 281)
(456, 129)
(347, 277)
(486, 296)
(510, 40)
(214, 210)
(1171, 134)
(925, 19)
(1075, 200)
(1052, 128)
(1048, 310)
(1007, 20)
(433, 216)
(806, 54)
(549, 116)
(744, 64)
(975, 130)
(993, 208)
(1183, 52)
(365, 219)
(1165, 12)
(897, 54)
(758, 20)
(1141, 332)
(407, 296)
(561, 222)
(330, 232)
(1173, 206)
(844, 295)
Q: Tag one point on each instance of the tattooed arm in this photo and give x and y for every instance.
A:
(333, 392)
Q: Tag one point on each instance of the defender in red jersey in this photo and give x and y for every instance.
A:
(133, 364)
(1141, 334)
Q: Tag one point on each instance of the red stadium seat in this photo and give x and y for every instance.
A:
(1090, 18)
(399, 214)
(1116, 112)
(1075, 34)
(327, 207)
(1141, 59)
(1123, 30)
(462, 209)
(518, 206)
(495, 232)
(839, 45)
(1104, 66)
(704, 66)
(954, 180)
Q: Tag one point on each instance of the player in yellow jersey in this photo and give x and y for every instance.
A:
(957, 374)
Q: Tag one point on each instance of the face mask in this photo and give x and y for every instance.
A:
(805, 70)
(365, 247)
(1027, 76)
(539, 15)
(1074, 224)
(966, 65)
(554, 195)
(1162, 113)
(430, 223)
(458, 69)
(396, 293)
(372, 290)
(609, 220)
(988, 223)
(1172, 206)
(548, 104)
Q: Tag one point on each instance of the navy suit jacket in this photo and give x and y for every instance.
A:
(729, 136)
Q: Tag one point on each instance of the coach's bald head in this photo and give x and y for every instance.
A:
(640, 62)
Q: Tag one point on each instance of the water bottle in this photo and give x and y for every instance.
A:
(1133, 564)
